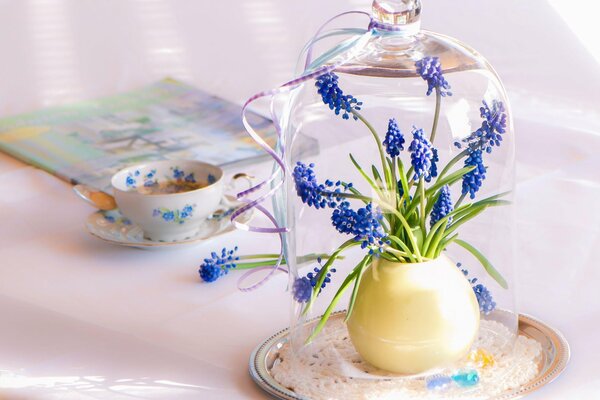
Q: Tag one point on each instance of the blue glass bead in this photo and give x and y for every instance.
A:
(466, 378)
(438, 382)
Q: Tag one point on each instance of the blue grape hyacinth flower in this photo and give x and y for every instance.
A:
(421, 155)
(394, 139)
(218, 265)
(364, 224)
(484, 296)
(335, 98)
(307, 187)
(472, 181)
(303, 287)
(313, 193)
(430, 69)
(434, 171)
(494, 124)
(442, 207)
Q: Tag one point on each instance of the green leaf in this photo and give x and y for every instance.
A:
(484, 262)
(365, 176)
(325, 269)
(451, 163)
(362, 266)
(378, 141)
(404, 247)
(332, 305)
(377, 176)
(449, 180)
(445, 242)
(403, 181)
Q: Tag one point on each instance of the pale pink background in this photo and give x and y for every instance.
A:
(80, 319)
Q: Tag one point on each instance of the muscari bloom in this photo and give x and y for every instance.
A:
(422, 156)
(483, 295)
(434, 161)
(394, 139)
(442, 207)
(364, 224)
(430, 69)
(493, 126)
(311, 192)
(303, 287)
(484, 298)
(472, 181)
(218, 265)
(334, 97)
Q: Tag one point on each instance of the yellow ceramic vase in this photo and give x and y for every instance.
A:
(409, 318)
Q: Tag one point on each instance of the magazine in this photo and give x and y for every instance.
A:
(89, 141)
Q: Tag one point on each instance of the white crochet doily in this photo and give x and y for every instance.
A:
(332, 369)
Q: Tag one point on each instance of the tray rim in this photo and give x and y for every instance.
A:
(553, 371)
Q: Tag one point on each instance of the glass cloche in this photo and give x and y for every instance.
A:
(399, 150)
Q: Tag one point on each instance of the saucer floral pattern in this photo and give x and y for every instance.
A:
(175, 216)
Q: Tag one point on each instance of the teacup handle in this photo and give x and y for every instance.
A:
(231, 186)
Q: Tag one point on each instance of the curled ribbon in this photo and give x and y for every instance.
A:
(312, 69)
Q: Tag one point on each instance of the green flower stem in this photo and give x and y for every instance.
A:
(400, 243)
(404, 183)
(325, 269)
(460, 200)
(489, 268)
(353, 275)
(259, 256)
(389, 256)
(354, 195)
(452, 162)
(430, 236)
(422, 202)
(407, 228)
(358, 195)
(436, 241)
(257, 264)
(477, 209)
(268, 260)
(366, 177)
(359, 273)
(445, 244)
(379, 145)
(449, 180)
(397, 253)
(438, 104)
(394, 190)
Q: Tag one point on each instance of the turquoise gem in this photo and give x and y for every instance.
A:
(438, 382)
(466, 378)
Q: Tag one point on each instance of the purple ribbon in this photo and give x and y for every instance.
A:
(275, 185)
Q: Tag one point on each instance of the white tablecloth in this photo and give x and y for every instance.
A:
(81, 319)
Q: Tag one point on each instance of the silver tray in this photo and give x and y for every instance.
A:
(555, 356)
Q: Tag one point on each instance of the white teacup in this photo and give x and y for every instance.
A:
(169, 216)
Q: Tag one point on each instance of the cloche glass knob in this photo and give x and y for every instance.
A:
(397, 12)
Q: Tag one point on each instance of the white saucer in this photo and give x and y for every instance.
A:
(113, 227)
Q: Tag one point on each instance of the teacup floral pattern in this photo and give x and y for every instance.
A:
(175, 216)
(180, 175)
(149, 179)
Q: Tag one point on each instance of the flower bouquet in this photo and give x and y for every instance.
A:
(404, 283)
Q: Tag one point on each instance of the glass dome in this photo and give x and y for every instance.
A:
(400, 157)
